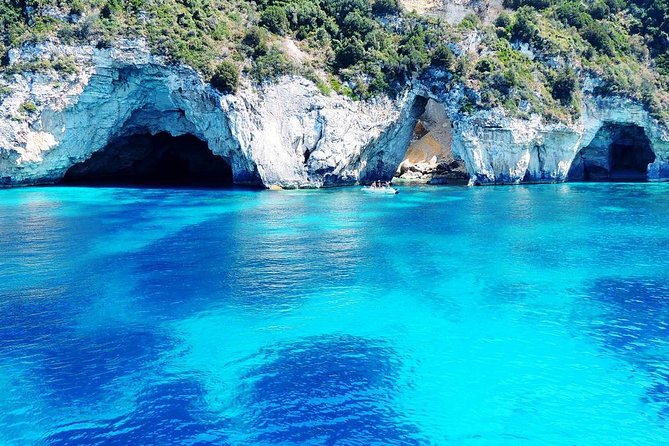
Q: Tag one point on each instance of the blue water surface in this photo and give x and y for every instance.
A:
(533, 315)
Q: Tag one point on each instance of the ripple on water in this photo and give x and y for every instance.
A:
(167, 413)
(327, 390)
(634, 324)
(636, 312)
(529, 314)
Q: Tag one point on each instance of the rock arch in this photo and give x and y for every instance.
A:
(618, 152)
(418, 148)
(429, 158)
(384, 155)
(124, 110)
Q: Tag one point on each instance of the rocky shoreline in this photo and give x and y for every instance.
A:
(290, 135)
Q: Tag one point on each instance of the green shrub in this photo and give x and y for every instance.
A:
(36, 66)
(504, 20)
(349, 53)
(537, 4)
(619, 5)
(255, 41)
(525, 28)
(270, 66)
(322, 86)
(226, 77)
(341, 8)
(306, 17)
(485, 66)
(4, 92)
(504, 26)
(443, 57)
(386, 7)
(470, 21)
(65, 65)
(564, 86)
(377, 81)
(356, 24)
(28, 108)
(338, 86)
(111, 9)
(572, 13)
(274, 19)
(414, 49)
(599, 10)
(597, 35)
(76, 7)
(662, 64)
(504, 81)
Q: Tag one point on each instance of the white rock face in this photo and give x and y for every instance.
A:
(429, 158)
(453, 11)
(118, 92)
(499, 150)
(298, 137)
(502, 150)
(601, 111)
(286, 134)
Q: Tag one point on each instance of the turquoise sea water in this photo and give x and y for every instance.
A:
(518, 315)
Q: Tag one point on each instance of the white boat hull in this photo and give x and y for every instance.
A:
(381, 190)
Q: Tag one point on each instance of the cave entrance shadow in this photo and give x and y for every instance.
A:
(159, 160)
(618, 152)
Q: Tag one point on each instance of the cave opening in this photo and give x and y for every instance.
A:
(153, 160)
(429, 157)
(618, 152)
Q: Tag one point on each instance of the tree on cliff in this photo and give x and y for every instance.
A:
(226, 77)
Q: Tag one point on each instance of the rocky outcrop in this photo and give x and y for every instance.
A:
(618, 152)
(454, 11)
(498, 149)
(286, 134)
(298, 137)
(116, 93)
(600, 112)
(429, 158)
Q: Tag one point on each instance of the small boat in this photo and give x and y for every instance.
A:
(384, 190)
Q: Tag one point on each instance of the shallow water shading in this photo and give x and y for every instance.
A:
(498, 315)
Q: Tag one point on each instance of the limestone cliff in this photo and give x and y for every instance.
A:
(430, 158)
(453, 11)
(501, 150)
(288, 133)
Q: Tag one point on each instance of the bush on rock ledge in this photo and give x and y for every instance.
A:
(226, 77)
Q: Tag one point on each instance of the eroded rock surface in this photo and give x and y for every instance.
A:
(619, 152)
(501, 150)
(430, 158)
(288, 134)
(454, 11)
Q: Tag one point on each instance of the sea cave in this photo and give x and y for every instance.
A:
(153, 160)
(618, 152)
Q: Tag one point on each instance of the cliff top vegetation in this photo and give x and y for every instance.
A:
(532, 59)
